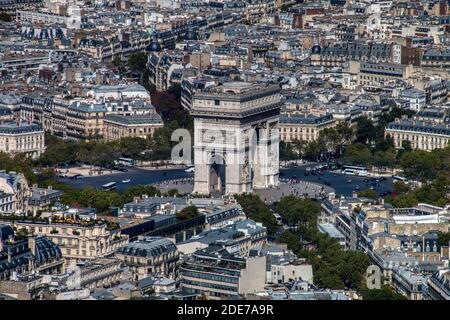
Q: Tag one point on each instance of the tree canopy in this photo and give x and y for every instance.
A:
(255, 209)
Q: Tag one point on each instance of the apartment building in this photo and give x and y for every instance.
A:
(376, 74)
(436, 58)
(338, 53)
(238, 238)
(23, 62)
(93, 274)
(22, 137)
(22, 256)
(416, 98)
(218, 274)
(136, 126)
(422, 135)
(41, 17)
(85, 120)
(149, 256)
(439, 285)
(303, 127)
(81, 241)
(14, 193)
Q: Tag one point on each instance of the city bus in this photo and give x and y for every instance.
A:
(355, 171)
(125, 162)
(109, 186)
(399, 178)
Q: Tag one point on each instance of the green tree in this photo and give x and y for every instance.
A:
(313, 150)
(291, 240)
(358, 154)
(365, 130)
(131, 147)
(187, 213)
(406, 145)
(346, 135)
(384, 143)
(118, 63)
(298, 211)
(256, 210)
(443, 238)
(5, 17)
(385, 159)
(287, 151)
(385, 293)
(372, 194)
(400, 187)
(137, 61)
(420, 165)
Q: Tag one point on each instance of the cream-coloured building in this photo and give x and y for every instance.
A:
(302, 127)
(136, 126)
(22, 137)
(85, 120)
(422, 135)
(377, 74)
(14, 193)
(149, 256)
(78, 241)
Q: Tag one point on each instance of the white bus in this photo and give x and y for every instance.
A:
(399, 178)
(109, 186)
(125, 162)
(278, 218)
(355, 171)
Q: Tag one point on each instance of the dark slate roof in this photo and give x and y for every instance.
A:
(301, 119)
(148, 247)
(412, 93)
(419, 126)
(46, 250)
(152, 118)
(86, 107)
(14, 128)
(5, 111)
(5, 232)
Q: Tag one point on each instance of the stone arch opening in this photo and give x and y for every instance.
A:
(217, 175)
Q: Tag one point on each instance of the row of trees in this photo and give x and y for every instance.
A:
(101, 200)
(434, 192)
(331, 142)
(364, 144)
(333, 267)
(257, 210)
(18, 163)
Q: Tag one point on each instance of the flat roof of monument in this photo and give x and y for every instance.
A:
(237, 84)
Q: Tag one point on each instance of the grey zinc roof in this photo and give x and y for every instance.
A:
(87, 107)
(152, 118)
(419, 126)
(412, 93)
(302, 119)
(14, 128)
(148, 247)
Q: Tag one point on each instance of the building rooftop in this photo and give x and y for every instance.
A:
(419, 126)
(304, 119)
(152, 118)
(148, 247)
(19, 128)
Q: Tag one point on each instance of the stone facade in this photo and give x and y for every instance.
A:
(78, 242)
(22, 137)
(236, 138)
